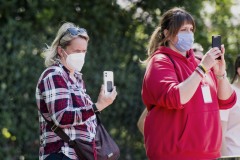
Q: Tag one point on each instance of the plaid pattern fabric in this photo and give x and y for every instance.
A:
(64, 101)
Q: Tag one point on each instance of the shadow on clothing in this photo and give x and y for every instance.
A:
(232, 158)
(57, 156)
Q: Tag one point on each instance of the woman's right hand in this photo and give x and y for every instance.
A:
(209, 59)
(103, 100)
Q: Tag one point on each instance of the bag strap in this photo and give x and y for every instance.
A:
(169, 57)
(172, 63)
(57, 130)
(63, 135)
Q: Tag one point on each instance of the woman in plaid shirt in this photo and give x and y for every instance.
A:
(61, 95)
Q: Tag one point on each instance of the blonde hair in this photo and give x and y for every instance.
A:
(172, 20)
(62, 39)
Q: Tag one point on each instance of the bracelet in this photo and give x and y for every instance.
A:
(96, 111)
(202, 68)
(200, 72)
(221, 76)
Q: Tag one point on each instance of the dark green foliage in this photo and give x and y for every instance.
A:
(118, 39)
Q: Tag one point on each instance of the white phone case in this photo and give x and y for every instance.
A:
(108, 82)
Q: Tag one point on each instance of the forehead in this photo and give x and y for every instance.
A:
(78, 43)
(187, 25)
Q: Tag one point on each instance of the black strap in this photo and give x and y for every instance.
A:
(63, 135)
(173, 64)
(57, 130)
(171, 60)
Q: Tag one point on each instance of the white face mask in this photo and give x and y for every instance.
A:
(75, 60)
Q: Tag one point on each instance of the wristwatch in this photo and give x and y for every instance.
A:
(96, 111)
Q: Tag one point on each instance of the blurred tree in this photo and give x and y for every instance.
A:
(118, 40)
(222, 23)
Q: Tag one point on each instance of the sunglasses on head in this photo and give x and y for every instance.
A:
(74, 31)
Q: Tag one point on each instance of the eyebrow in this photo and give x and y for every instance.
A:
(79, 50)
(186, 28)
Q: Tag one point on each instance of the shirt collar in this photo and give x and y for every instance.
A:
(76, 73)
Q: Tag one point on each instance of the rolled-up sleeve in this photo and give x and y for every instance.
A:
(160, 84)
(228, 103)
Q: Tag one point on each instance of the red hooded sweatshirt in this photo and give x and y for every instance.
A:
(173, 131)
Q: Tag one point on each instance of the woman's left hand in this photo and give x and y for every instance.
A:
(220, 65)
(103, 100)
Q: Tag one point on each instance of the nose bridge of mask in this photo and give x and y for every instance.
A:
(185, 35)
(76, 57)
(71, 56)
(73, 52)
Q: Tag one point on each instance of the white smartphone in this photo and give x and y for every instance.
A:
(108, 82)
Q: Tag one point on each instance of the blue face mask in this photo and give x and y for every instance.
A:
(185, 41)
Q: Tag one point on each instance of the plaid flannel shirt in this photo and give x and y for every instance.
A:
(65, 102)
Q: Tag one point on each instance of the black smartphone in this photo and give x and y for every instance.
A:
(216, 42)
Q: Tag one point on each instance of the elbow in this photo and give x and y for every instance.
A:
(140, 125)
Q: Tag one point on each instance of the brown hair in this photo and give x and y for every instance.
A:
(237, 65)
(172, 20)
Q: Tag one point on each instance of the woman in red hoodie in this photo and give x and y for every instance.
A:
(182, 94)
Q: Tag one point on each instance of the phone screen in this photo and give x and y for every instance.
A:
(216, 42)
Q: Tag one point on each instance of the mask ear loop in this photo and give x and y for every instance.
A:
(66, 57)
(170, 38)
(64, 51)
(171, 41)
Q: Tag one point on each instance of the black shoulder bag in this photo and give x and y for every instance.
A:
(103, 146)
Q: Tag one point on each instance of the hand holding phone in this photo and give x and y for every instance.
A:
(216, 42)
(108, 91)
(108, 82)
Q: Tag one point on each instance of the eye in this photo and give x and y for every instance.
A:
(183, 29)
(80, 51)
(83, 51)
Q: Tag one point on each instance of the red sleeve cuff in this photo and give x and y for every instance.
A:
(228, 103)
